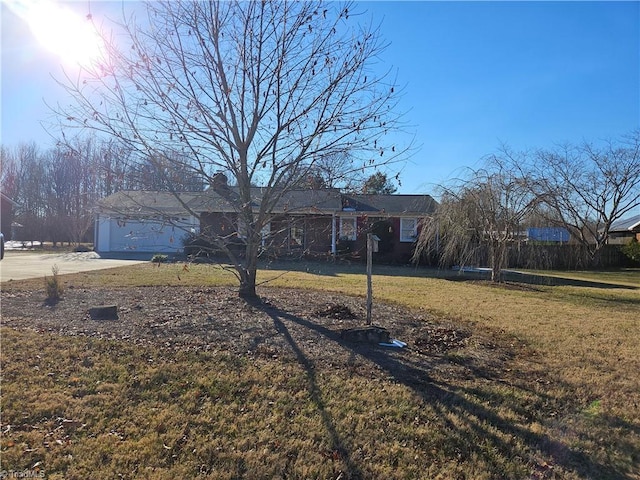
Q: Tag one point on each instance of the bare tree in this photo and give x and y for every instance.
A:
(164, 172)
(74, 175)
(8, 172)
(336, 170)
(113, 163)
(585, 188)
(9, 186)
(259, 90)
(328, 171)
(31, 192)
(483, 212)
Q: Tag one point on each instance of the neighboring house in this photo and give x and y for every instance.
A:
(303, 222)
(622, 231)
(548, 235)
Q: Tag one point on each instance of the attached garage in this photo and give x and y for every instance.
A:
(121, 234)
(143, 222)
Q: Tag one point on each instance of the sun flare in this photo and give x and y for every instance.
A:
(62, 31)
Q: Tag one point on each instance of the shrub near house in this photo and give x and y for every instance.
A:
(632, 250)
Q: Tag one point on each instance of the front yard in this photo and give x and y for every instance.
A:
(511, 381)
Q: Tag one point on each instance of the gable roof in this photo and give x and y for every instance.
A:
(399, 205)
(626, 225)
(143, 203)
(224, 200)
(309, 201)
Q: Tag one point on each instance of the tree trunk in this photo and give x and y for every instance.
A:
(247, 290)
(369, 268)
(495, 274)
(496, 260)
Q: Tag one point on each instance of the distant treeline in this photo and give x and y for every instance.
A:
(56, 189)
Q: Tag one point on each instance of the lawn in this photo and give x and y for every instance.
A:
(547, 387)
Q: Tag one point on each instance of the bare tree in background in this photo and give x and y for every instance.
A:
(31, 187)
(262, 91)
(483, 212)
(329, 171)
(585, 188)
(9, 186)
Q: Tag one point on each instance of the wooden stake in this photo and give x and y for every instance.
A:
(369, 268)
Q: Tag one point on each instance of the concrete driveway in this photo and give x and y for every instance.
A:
(18, 266)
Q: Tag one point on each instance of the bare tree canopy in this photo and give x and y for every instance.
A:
(335, 170)
(484, 211)
(586, 187)
(583, 188)
(259, 90)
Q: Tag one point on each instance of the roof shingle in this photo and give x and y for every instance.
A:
(226, 199)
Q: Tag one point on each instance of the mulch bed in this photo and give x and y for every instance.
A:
(287, 324)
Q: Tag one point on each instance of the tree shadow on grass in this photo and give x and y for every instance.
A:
(338, 267)
(337, 446)
(533, 279)
(447, 400)
(511, 276)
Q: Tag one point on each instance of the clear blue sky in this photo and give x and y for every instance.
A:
(475, 75)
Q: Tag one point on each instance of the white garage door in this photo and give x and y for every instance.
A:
(145, 236)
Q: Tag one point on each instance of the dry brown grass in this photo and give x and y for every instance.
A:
(565, 404)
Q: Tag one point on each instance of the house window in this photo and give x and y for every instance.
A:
(296, 238)
(408, 229)
(348, 228)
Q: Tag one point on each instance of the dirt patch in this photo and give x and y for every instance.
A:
(301, 325)
(339, 312)
(440, 339)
